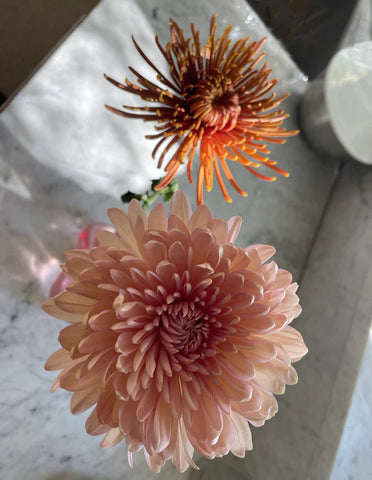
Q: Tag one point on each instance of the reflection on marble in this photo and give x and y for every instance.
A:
(64, 160)
(354, 459)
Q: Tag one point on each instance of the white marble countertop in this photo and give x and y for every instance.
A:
(64, 160)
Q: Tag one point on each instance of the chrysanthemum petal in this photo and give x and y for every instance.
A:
(59, 359)
(94, 426)
(234, 225)
(69, 336)
(120, 220)
(182, 457)
(50, 307)
(158, 218)
(84, 399)
(200, 218)
(269, 378)
(292, 341)
(180, 206)
(112, 438)
(264, 252)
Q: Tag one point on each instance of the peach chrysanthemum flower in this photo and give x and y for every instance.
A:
(178, 338)
(216, 98)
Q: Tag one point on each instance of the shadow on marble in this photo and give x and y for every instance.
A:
(220, 469)
(65, 475)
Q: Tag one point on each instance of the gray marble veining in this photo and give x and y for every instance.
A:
(354, 460)
(64, 160)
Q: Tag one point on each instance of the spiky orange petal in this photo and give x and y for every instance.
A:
(214, 97)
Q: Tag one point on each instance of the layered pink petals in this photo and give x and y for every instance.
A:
(178, 338)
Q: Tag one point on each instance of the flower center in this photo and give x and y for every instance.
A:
(214, 103)
(184, 327)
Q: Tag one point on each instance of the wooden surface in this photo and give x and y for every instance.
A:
(30, 30)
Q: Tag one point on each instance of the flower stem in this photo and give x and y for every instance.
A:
(150, 196)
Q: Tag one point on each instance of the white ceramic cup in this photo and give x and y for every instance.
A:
(335, 112)
(348, 97)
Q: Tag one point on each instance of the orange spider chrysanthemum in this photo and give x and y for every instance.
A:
(214, 98)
